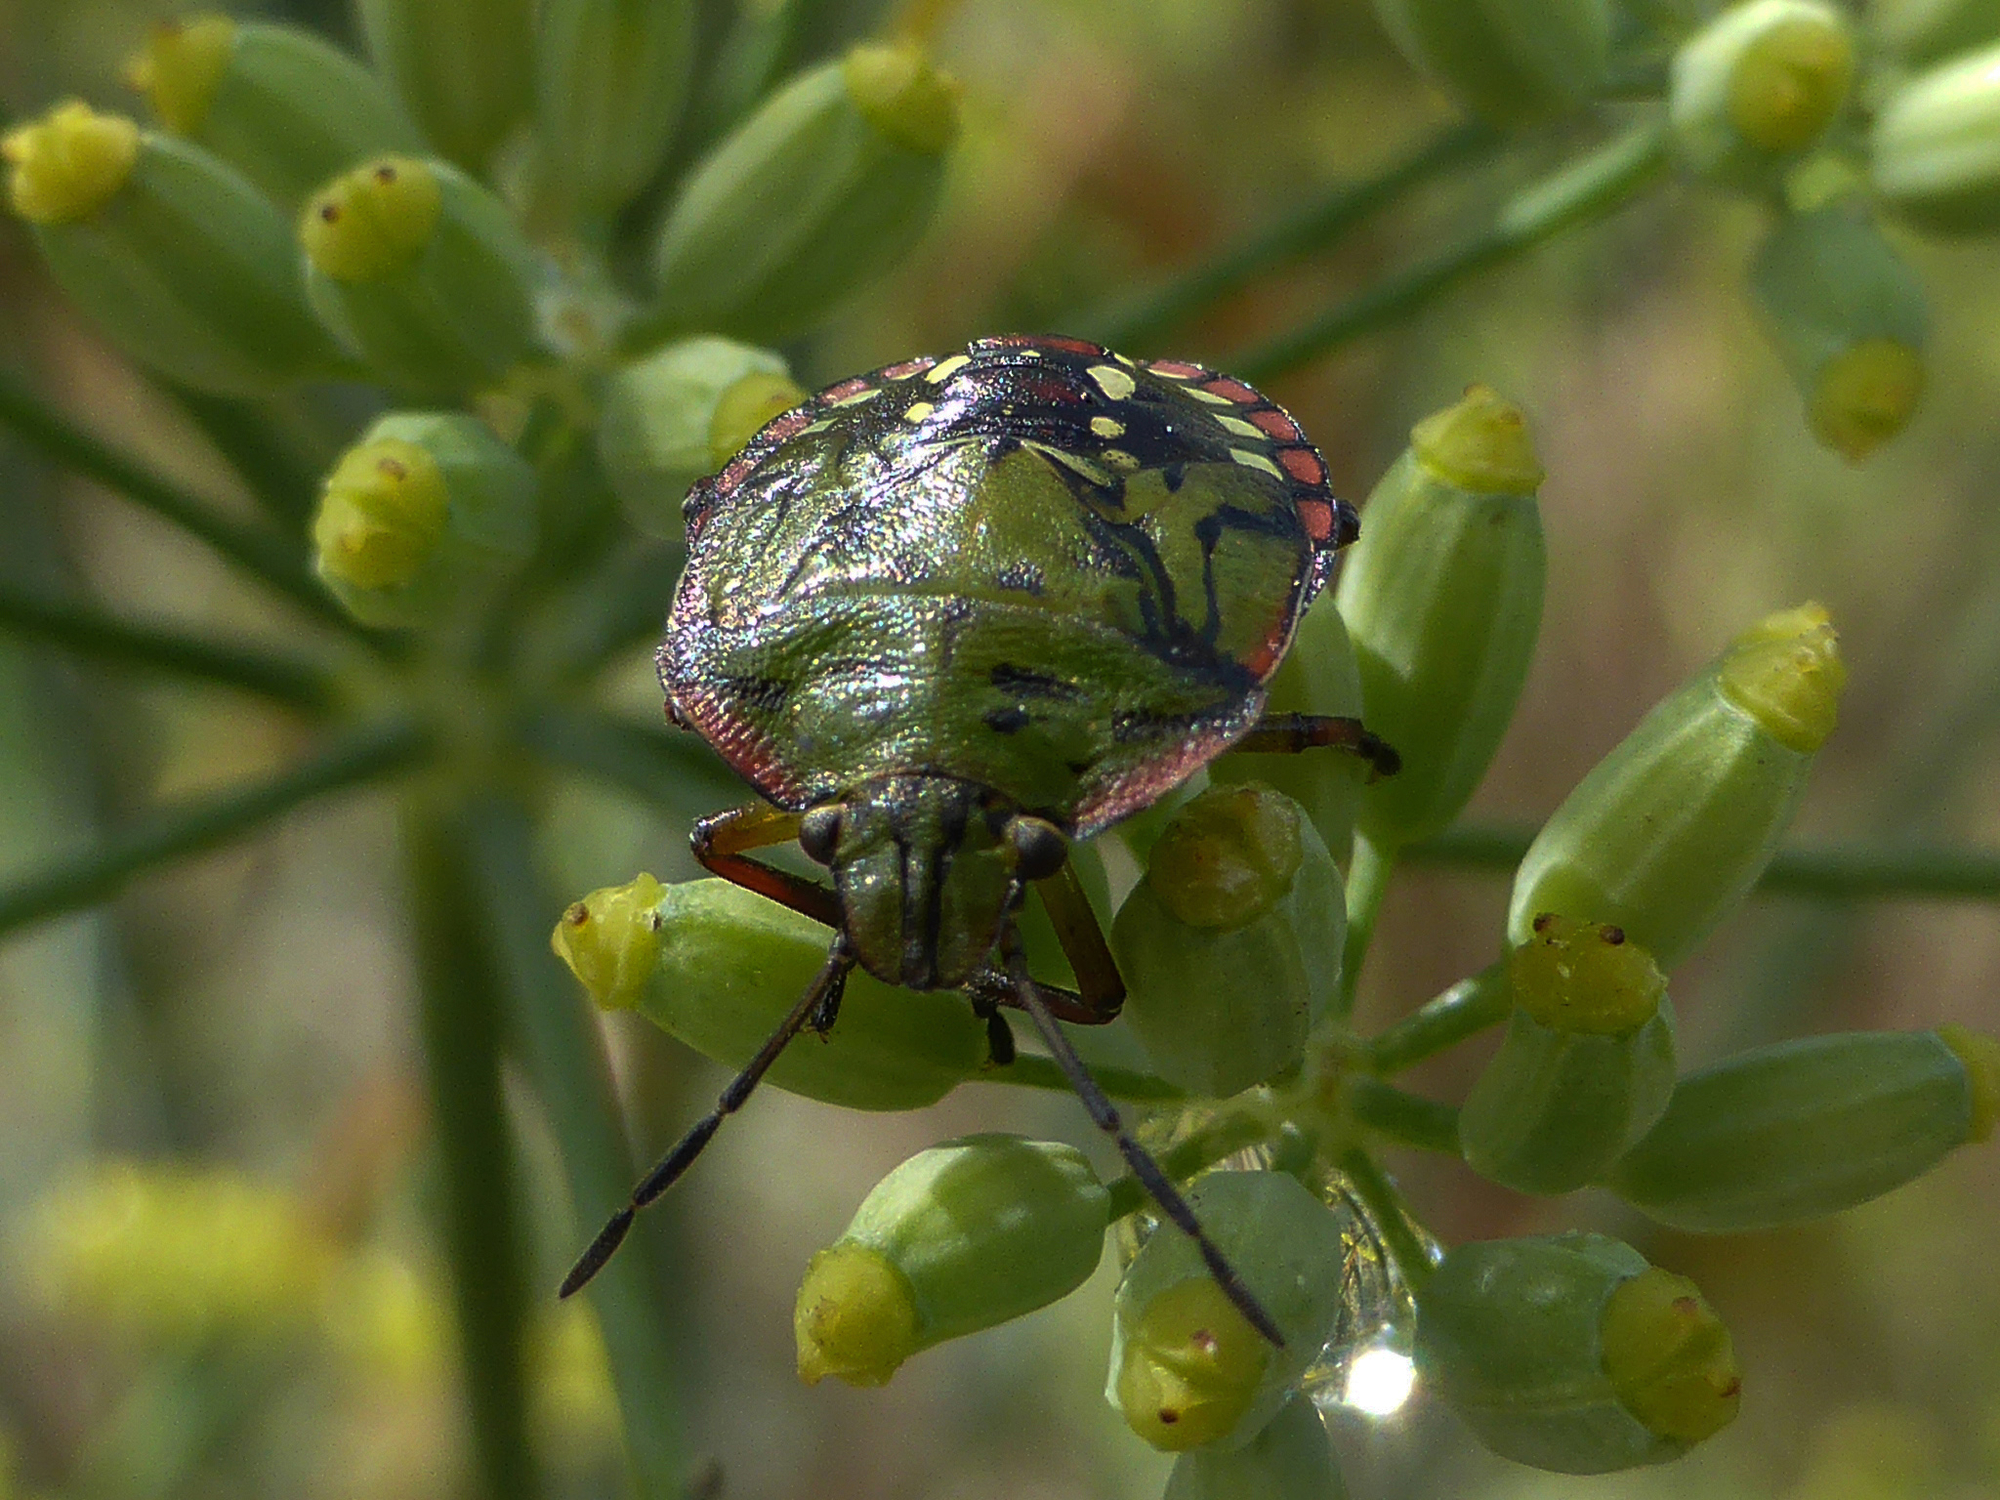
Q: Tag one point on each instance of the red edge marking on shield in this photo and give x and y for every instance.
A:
(1235, 390)
(1177, 369)
(1303, 465)
(1317, 518)
(790, 424)
(733, 474)
(1040, 341)
(907, 368)
(1277, 425)
(845, 389)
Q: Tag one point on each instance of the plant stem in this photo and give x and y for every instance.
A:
(1581, 192)
(571, 1074)
(1137, 321)
(255, 441)
(83, 628)
(462, 1017)
(1407, 1119)
(364, 755)
(674, 771)
(265, 555)
(1408, 1253)
(1205, 1147)
(1033, 1071)
(1367, 882)
(1464, 1010)
(1832, 872)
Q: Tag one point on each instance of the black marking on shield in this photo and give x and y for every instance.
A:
(1026, 682)
(762, 694)
(1009, 720)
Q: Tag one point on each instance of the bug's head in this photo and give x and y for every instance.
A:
(925, 867)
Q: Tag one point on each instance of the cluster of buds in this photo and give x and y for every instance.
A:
(1569, 1352)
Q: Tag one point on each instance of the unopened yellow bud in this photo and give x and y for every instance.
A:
(1585, 977)
(903, 96)
(744, 409)
(1786, 673)
(1228, 857)
(611, 940)
(1481, 444)
(1790, 83)
(1981, 1055)
(382, 516)
(369, 223)
(1669, 1357)
(1865, 396)
(68, 164)
(856, 1317)
(182, 67)
(1192, 1366)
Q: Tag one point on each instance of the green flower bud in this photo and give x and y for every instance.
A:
(729, 965)
(1443, 595)
(1511, 61)
(1319, 675)
(824, 188)
(1187, 1369)
(417, 516)
(967, 1235)
(1570, 1353)
(182, 263)
(463, 68)
(1924, 31)
(1791, 1132)
(1848, 317)
(680, 413)
(277, 103)
(611, 77)
(421, 272)
(1587, 1065)
(1288, 1460)
(1759, 86)
(1231, 944)
(1935, 152)
(1670, 831)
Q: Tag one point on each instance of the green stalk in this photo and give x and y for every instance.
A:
(1137, 321)
(89, 631)
(374, 753)
(1378, 1195)
(462, 1015)
(263, 554)
(566, 1062)
(1031, 1070)
(1368, 874)
(1407, 1119)
(1466, 1009)
(1213, 1142)
(254, 438)
(674, 771)
(1580, 193)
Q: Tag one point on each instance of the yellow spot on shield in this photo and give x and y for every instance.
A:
(1113, 381)
(1107, 427)
(1209, 396)
(1118, 458)
(1251, 460)
(860, 398)
(1240, 427)
(944, 369)
(918, 411)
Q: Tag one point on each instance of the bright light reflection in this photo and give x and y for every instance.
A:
(1379, 1381)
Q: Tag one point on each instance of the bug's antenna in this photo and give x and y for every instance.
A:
(816, 1008)
(1156, 1182)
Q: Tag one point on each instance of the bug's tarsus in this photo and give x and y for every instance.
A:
(1156, 1182)
(822, 997)
(1279, 734)
(1000, 1049)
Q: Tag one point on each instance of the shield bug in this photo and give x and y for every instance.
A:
(953, 615)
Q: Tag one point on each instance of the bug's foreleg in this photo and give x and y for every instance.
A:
(720, 841)
(824, 989)
(1288, 734)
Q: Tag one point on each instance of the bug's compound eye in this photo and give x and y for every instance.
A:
(819, 833)
(1039, 848)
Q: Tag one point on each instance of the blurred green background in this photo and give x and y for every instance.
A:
(251, 1012)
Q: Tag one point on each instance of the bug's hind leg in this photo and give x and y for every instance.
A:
(1288, 734)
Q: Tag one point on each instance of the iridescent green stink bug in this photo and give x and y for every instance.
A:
(950, 616)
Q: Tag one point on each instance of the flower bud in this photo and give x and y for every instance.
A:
(967, 1235)
(611, 77)
(1848, 317)
(680, 413)
(1934, 155)
(1187, 1369)
(729, 965)
(1319, 675)
(464, 69)
(1511, 61)
(277, 103)
(1288, 1460)
(1231, 944)
(1791, 1132)
(182, 263)
(421, 272)
(1570, 1353)
(824, 188)
(1670, 831)
(1443, 596)
(1587, 1065)
(1924, 31)
(425, 509)
(1758, 86)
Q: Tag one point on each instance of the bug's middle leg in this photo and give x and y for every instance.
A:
(1288, 734)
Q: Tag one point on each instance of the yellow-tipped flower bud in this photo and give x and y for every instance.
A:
(1935, 152)
(182, 263)
(611, 940)
(1670, 830)
(421, 517)
(824, 188)
(1926, 31)
(730, 965)
(1288, 1460)
(1443, 597)
(1570, 1353)
(682, 412)
(1191, 1366)
(279, 104)
(1512, 61)
(464, 69)
(965, 1236)
(1847, 315)
(1759, 86)
(611, 77)
(421, 272)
